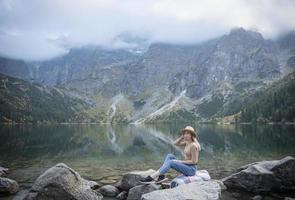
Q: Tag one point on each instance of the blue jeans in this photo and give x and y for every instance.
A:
(185, 169)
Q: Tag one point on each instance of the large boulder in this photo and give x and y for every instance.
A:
(264, 176)
(62, 182)
(203, 190)
(137, 191)
(8, 186)
(131, 179)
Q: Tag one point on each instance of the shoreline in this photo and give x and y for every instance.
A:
(100, 123)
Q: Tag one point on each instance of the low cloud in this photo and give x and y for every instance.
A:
(38, 30)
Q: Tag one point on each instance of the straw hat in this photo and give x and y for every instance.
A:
(190, 129)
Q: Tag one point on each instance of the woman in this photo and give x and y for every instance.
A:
(188, 166)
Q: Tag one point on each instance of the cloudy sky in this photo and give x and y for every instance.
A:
(42, 29)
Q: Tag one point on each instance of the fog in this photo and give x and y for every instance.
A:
(43, 29)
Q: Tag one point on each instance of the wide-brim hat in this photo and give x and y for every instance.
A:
(190, 129)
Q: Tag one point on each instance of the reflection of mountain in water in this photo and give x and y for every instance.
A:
(112, 138)
(141, 142)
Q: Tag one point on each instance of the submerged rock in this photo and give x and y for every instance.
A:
(196, 190)
(264, 176)
(62, 182)
(131, 179)
(8, 186)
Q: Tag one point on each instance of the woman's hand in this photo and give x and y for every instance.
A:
(179, 141)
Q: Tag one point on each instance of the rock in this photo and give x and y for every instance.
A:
(122, 196)
(8, 186)
(221, 184)
(196, 190)
(21, 194)
(3, 171)
(131, 179)
(109, 191)
(118, 183)
(236, 195)
(257, 197)
(137, 191)
(62, 182)
(94, 185)
(264, 176)
(165, 185)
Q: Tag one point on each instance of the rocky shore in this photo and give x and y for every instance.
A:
(275, 178)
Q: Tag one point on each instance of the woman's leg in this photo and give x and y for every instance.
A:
(169, 157)
(187, 170)
(165, 165)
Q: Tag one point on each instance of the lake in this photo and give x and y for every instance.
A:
(104, 152)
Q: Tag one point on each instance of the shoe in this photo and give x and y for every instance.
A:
(147, 180)
(161, 179)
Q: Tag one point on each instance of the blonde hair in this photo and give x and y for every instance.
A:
(196, 139)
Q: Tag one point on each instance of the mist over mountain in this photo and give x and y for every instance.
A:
(35, 31)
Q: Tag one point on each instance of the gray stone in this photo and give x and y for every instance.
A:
(131, 179)
(94, 185)
(197, 190)
(264, 176)
(3, 171)
(165, 185)
(221, 184)
(8, 186)
(118, 183)
(109, 191)
(21, 194)
(137, 191)
(257, 197)
(62, 182)
(122, 196)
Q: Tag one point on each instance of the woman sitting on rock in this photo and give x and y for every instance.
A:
(188, 166)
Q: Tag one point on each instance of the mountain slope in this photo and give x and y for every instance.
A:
(275, 104)
(15, 68)
(22, 101)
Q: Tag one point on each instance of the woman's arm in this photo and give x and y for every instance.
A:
(179, 141)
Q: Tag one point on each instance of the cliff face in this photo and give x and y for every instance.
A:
(168, 81)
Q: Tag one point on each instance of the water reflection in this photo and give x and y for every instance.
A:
(107, 150)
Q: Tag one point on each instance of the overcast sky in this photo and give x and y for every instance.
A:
(42, 29)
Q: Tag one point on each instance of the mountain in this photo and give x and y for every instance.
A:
(212, 73)
(22, 101)
(167, 82)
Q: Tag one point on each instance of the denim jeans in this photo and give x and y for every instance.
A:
(185, 169)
